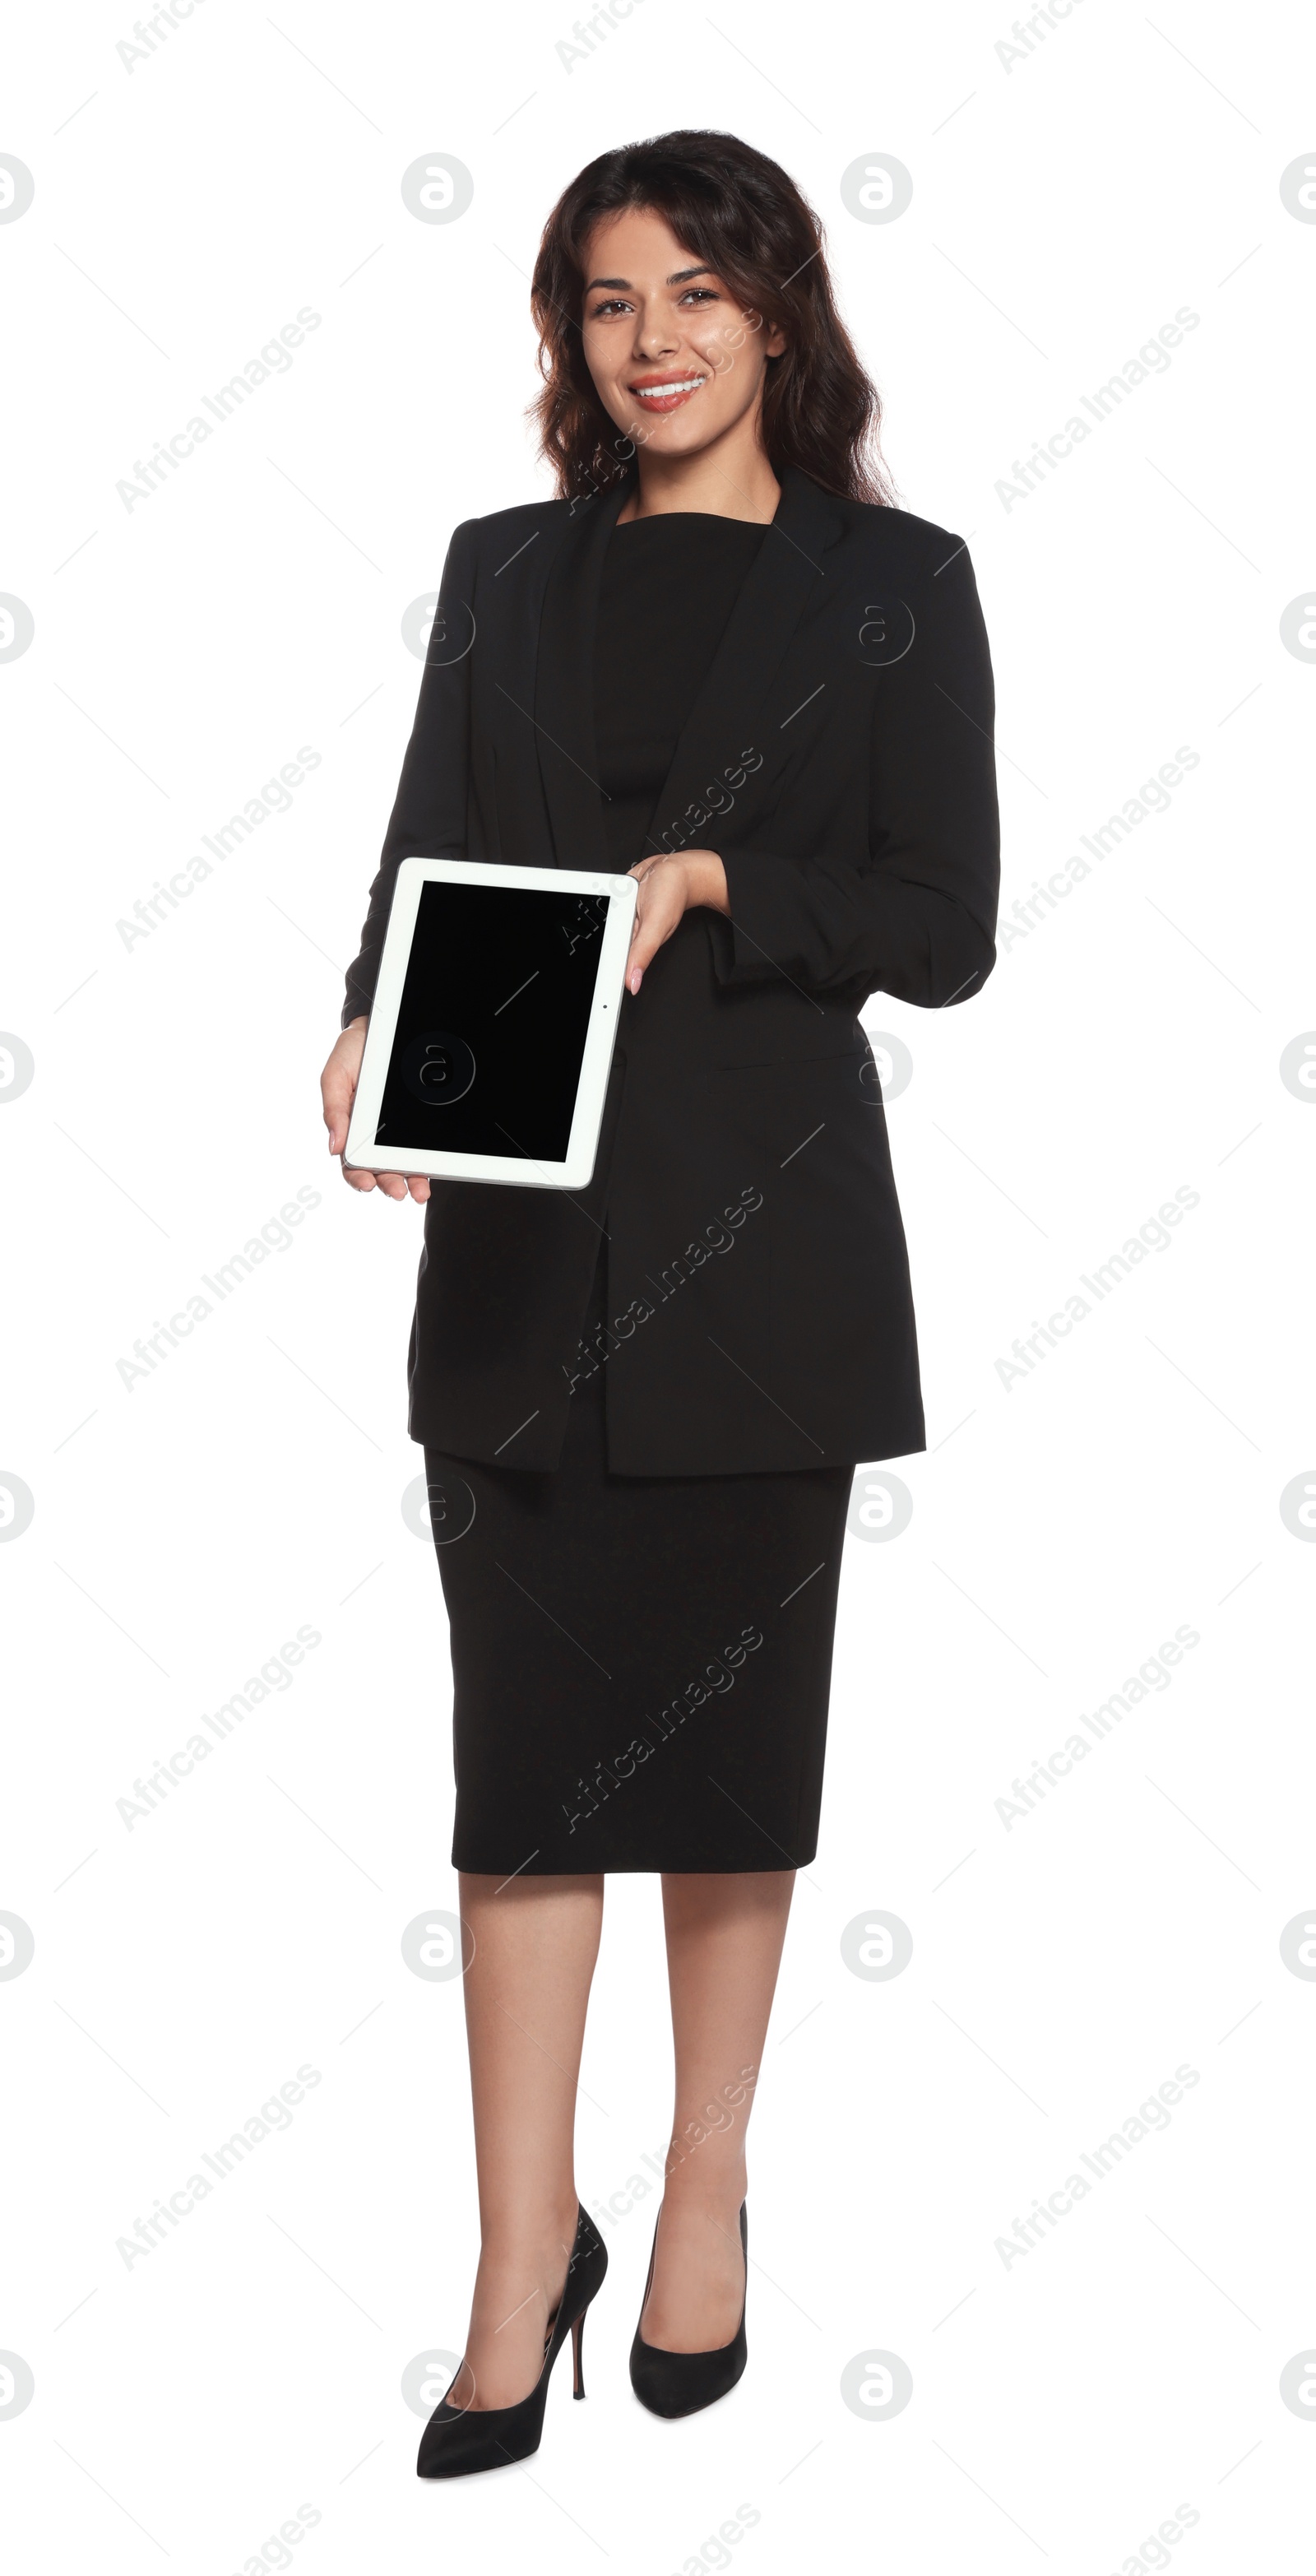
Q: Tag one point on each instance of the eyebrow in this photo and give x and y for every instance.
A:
(678, 277)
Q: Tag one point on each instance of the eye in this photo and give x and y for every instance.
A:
(703, 294)
(611, 304)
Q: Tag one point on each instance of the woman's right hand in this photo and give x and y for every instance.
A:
(338, 1091)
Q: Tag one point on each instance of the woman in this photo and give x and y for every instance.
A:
(722, 661)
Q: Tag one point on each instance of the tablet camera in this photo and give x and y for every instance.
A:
(438, 1068)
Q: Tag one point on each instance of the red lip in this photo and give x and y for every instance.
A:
(672, 401)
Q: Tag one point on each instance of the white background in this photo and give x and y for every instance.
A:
(1065, 205)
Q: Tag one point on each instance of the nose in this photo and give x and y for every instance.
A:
(655, 334)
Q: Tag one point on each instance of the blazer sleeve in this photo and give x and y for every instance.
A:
(429, 812)
(914, 912)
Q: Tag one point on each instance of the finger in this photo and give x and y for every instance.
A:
(656, 924)
(338, 1084)
(394, 1185)
(337, 1091)
(644, 946)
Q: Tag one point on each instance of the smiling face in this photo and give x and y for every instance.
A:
(677, 360)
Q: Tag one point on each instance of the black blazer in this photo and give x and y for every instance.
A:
(839, 758)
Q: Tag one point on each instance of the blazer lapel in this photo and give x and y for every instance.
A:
(783, 580)
(564, 684)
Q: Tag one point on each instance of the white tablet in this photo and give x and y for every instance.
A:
(491, 1032)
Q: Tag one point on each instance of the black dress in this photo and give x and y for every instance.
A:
(640, 1664)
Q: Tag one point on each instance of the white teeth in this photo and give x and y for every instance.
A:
(661, 393)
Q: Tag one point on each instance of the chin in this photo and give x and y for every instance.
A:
(678, 435)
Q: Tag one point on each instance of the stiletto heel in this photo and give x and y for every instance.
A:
(577, 2339)
(456, 2441)
(681, 2383)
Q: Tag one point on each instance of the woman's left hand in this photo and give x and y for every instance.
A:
(668, 887)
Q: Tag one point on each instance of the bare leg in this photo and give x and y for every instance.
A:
(527, 1986)
(724, 1940)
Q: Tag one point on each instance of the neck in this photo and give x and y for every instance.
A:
(730, 479)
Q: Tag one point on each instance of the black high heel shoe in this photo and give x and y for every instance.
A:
(457, 2439)
(680, 2383)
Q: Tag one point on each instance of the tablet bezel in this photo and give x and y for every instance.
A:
(576, 1169)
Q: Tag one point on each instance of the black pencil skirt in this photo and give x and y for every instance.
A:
(641, 1664)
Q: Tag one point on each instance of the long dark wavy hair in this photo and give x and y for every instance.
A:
(740, 214)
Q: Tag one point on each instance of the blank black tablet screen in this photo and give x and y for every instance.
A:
(495, 1009)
